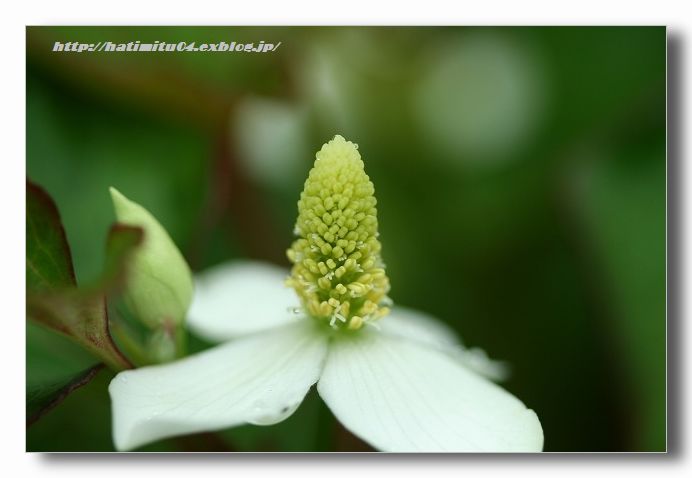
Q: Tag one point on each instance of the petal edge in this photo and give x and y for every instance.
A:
(238, 298)
(404, 397)
(419, 327)
(273, 371)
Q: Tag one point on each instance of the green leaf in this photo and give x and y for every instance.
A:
(81, 317)
(55, 367)
(52, 296)
(48, 259)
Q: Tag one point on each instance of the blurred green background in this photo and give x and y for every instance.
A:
(520, 177)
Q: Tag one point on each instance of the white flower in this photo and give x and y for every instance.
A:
(401, 382)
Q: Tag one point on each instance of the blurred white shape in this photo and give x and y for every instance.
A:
(325, 83)
(481, 98)
(272, 140)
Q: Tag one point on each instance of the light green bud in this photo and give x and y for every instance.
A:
(159, 286)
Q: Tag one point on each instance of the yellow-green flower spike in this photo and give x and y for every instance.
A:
(337, 269)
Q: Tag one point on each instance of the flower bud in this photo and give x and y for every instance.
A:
(159, 284)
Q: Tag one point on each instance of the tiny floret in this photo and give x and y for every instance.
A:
(337, 269)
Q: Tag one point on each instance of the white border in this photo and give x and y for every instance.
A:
(269, 12)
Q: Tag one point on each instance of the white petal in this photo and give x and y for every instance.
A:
(422, 328)
(239, 298)
(260, 379)
(418, 326)
(403, 397)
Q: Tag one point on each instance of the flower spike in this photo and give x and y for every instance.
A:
(337, 269)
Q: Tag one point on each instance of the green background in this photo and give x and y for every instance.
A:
(521, 183)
